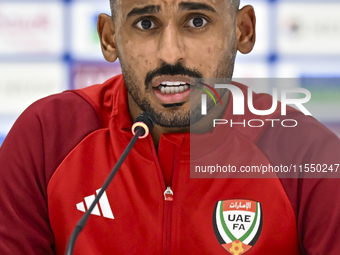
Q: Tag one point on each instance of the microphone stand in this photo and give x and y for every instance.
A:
(81, 223)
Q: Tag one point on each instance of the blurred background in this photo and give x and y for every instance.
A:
(47, 46)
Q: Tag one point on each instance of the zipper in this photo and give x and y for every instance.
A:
(168, 198)
(168, 194)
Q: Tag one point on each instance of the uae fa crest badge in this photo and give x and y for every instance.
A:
(237, 224)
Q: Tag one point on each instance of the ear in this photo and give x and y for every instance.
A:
(106, 32)
(245, 29)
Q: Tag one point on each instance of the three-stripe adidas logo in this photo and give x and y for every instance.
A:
(104, 205)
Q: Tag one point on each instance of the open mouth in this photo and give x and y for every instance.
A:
(173, 87)
(172, 90)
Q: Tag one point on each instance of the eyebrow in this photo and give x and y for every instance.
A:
(192, 6)
(149, 9)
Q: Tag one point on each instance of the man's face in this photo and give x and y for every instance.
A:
(163, 43)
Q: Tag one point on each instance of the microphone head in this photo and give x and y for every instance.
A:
(147, 118)
(146, 121)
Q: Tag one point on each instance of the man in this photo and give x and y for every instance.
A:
(61, 149)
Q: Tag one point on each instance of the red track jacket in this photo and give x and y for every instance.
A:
(62, 148)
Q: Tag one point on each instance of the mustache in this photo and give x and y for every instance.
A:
(172, 70)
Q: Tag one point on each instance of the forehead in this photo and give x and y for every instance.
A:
(162, 5)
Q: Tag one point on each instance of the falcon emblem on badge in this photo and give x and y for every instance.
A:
(237, 224)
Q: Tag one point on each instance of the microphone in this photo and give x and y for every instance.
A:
(144, 122)
(141, 128)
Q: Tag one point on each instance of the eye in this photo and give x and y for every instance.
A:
(197, 22)
(145, 24)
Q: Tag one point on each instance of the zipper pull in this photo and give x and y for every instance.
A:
(168, 194)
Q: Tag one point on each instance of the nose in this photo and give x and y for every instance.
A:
(171, 47)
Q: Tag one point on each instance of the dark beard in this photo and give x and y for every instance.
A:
(173, 117)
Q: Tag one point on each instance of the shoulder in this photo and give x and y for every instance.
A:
(308, 145)
(37, 143)
(41, 138)
(305, 142)
(48, 130)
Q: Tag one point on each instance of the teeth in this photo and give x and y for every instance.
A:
(173, 83)
(172, 89)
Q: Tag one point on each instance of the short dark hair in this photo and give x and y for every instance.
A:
(113, 5)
